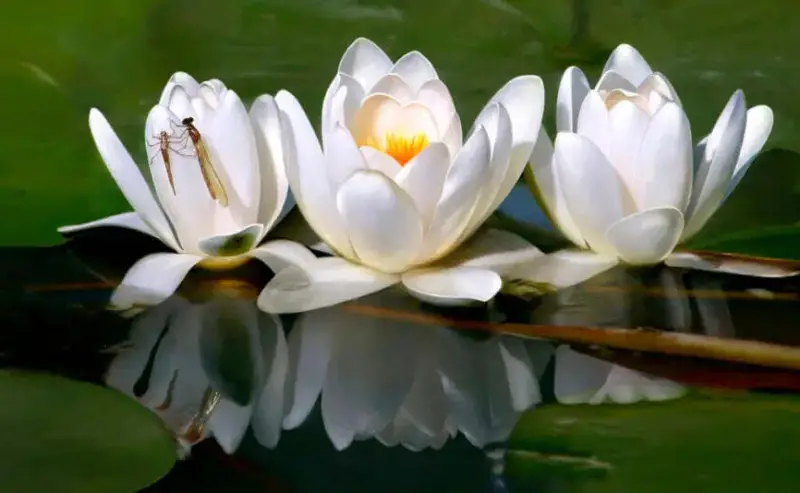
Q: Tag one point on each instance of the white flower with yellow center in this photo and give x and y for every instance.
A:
(623, 179)
(219, 180)
(394, 191)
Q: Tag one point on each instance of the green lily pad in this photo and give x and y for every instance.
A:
(69, 436)
(775, 242)
(710, 442)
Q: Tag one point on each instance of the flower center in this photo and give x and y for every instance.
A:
(403, 148)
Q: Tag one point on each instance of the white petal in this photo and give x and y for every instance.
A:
(307, 177)
(268, 411)
(664, 174)
(326, 282)
(646, 237)
(365, 61)
(152, 279)
(395, 86)
(658, 82)
(593, 122)
(423, 177)
(127, 220)
(627, 124)
(435, 95)
(453, 136)
(731, 265)
(230, 139)
(186, 81)
(265, 119)
(128, 178)
(415, 69)
(496, 250)
(348, 95)
(756, 132)
(453, 286)
(578, 377)
(595, 195)
(228, 423)
(614, 81)
(232, 244)
(715, 171)
(310, 345)
(382, 222)
(185, 196)
(379, 161)
(564, 268)
(572, 90)
(543, 181)
(279, 254)
(342, 157)
(461, 189)
(629, 63)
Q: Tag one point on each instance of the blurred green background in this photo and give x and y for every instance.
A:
(58, 59)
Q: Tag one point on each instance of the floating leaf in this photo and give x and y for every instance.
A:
(69, 436)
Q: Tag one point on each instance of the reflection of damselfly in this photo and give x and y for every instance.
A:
(193, 146)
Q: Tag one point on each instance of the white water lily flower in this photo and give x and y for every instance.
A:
(395, 191)
(213, 208)
(403, 383)
(212, 368)
(624, 179)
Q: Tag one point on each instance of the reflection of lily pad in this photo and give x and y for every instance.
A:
(709, 442)
(67, 436)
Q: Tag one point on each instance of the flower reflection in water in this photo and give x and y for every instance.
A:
(207, 367)
(403, 383)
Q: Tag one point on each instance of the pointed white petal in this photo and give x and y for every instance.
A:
(658, 82)
(715, 171)
(731, 265)
(341, 102)
(279, 254)
(128, 220)
(228, 423)
(664, 175)
(382, 222)
(496, 250)
(379, 161)
(435, 95)
(186, 81)
(365, 61)
(415, 70)
(614, 81)
(596, 197)
(265, 120)
(128, 178)
(756, 132)
(572, 90)
(305, 170)
(268, 411)
(593, 122)
(152, 279)
(543, 181)
(629, 63)
(395, 86)
(646, 237)
(326, 282)
(453, 286)
(423, 177)
(342, 157)
(461, 188)
(564, 268)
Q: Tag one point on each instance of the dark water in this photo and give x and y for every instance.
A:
(419, 398)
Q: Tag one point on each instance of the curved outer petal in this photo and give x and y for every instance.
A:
(307, 177)
(129, 179)
(542, 181)
(497, 250)
(646, 237)
(232, 147)
(452, 286)
(127, 220)
(190, 85)
(572, 89)
(659, 83)
(326, 282)
(341, 102)
(593, 191)
(756, 132)
(467, 173)
(365, 62)
(394, 86)
(382, 222)
(614, 81)
(423, 178)
(564, 268)
(629, 63)
(280, 254)
(265, 118)
(718, 162)
(152, 279)
(415, 70)
(342, 157)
